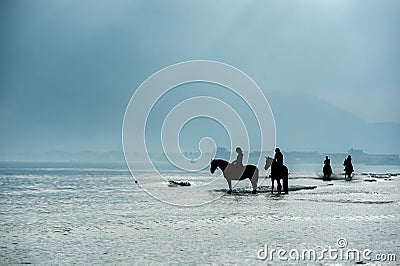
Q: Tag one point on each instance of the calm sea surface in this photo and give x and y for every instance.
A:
(74, 215)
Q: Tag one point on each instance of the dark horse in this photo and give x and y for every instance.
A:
(327, 170)
(236, 172)
(278, 172)
(348, 168)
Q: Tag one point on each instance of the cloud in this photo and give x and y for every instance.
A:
(68, 68)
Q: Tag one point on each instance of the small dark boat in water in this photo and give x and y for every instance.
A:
(173, 183)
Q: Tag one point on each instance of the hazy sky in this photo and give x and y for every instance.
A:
(69, 68)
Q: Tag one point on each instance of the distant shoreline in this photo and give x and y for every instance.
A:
(116, 158)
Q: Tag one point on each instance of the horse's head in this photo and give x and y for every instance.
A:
(222, 164)
(214, 166)
(268, 162)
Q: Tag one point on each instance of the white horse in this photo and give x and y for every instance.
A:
(236, 172)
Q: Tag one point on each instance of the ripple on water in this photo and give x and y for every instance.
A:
(87, 217)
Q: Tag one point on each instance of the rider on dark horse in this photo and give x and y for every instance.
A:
(348, 167)
(279, 171)
(327, 168)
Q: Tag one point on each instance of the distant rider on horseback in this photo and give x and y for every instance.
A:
(348, 168)
(327, 170)
(278, 172)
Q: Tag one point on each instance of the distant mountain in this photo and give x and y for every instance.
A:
(305, 122)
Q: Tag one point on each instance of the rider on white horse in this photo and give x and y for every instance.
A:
(239, 158)
(236, 168)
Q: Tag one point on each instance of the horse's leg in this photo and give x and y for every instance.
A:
(285, 184)
(272, 185)
(279, 186)
(254, 181)
(286, 181)
(349, 176)
(229, 185)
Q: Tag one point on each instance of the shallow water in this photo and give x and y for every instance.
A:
(99, 215)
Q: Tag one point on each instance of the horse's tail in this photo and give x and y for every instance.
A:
(286, 171)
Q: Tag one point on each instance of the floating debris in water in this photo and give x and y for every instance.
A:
(172, 183)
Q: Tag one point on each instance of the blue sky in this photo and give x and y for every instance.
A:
(69, 68)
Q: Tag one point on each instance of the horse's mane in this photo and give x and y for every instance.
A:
(221, 161)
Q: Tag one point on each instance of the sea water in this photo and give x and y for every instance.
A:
(98, 215)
